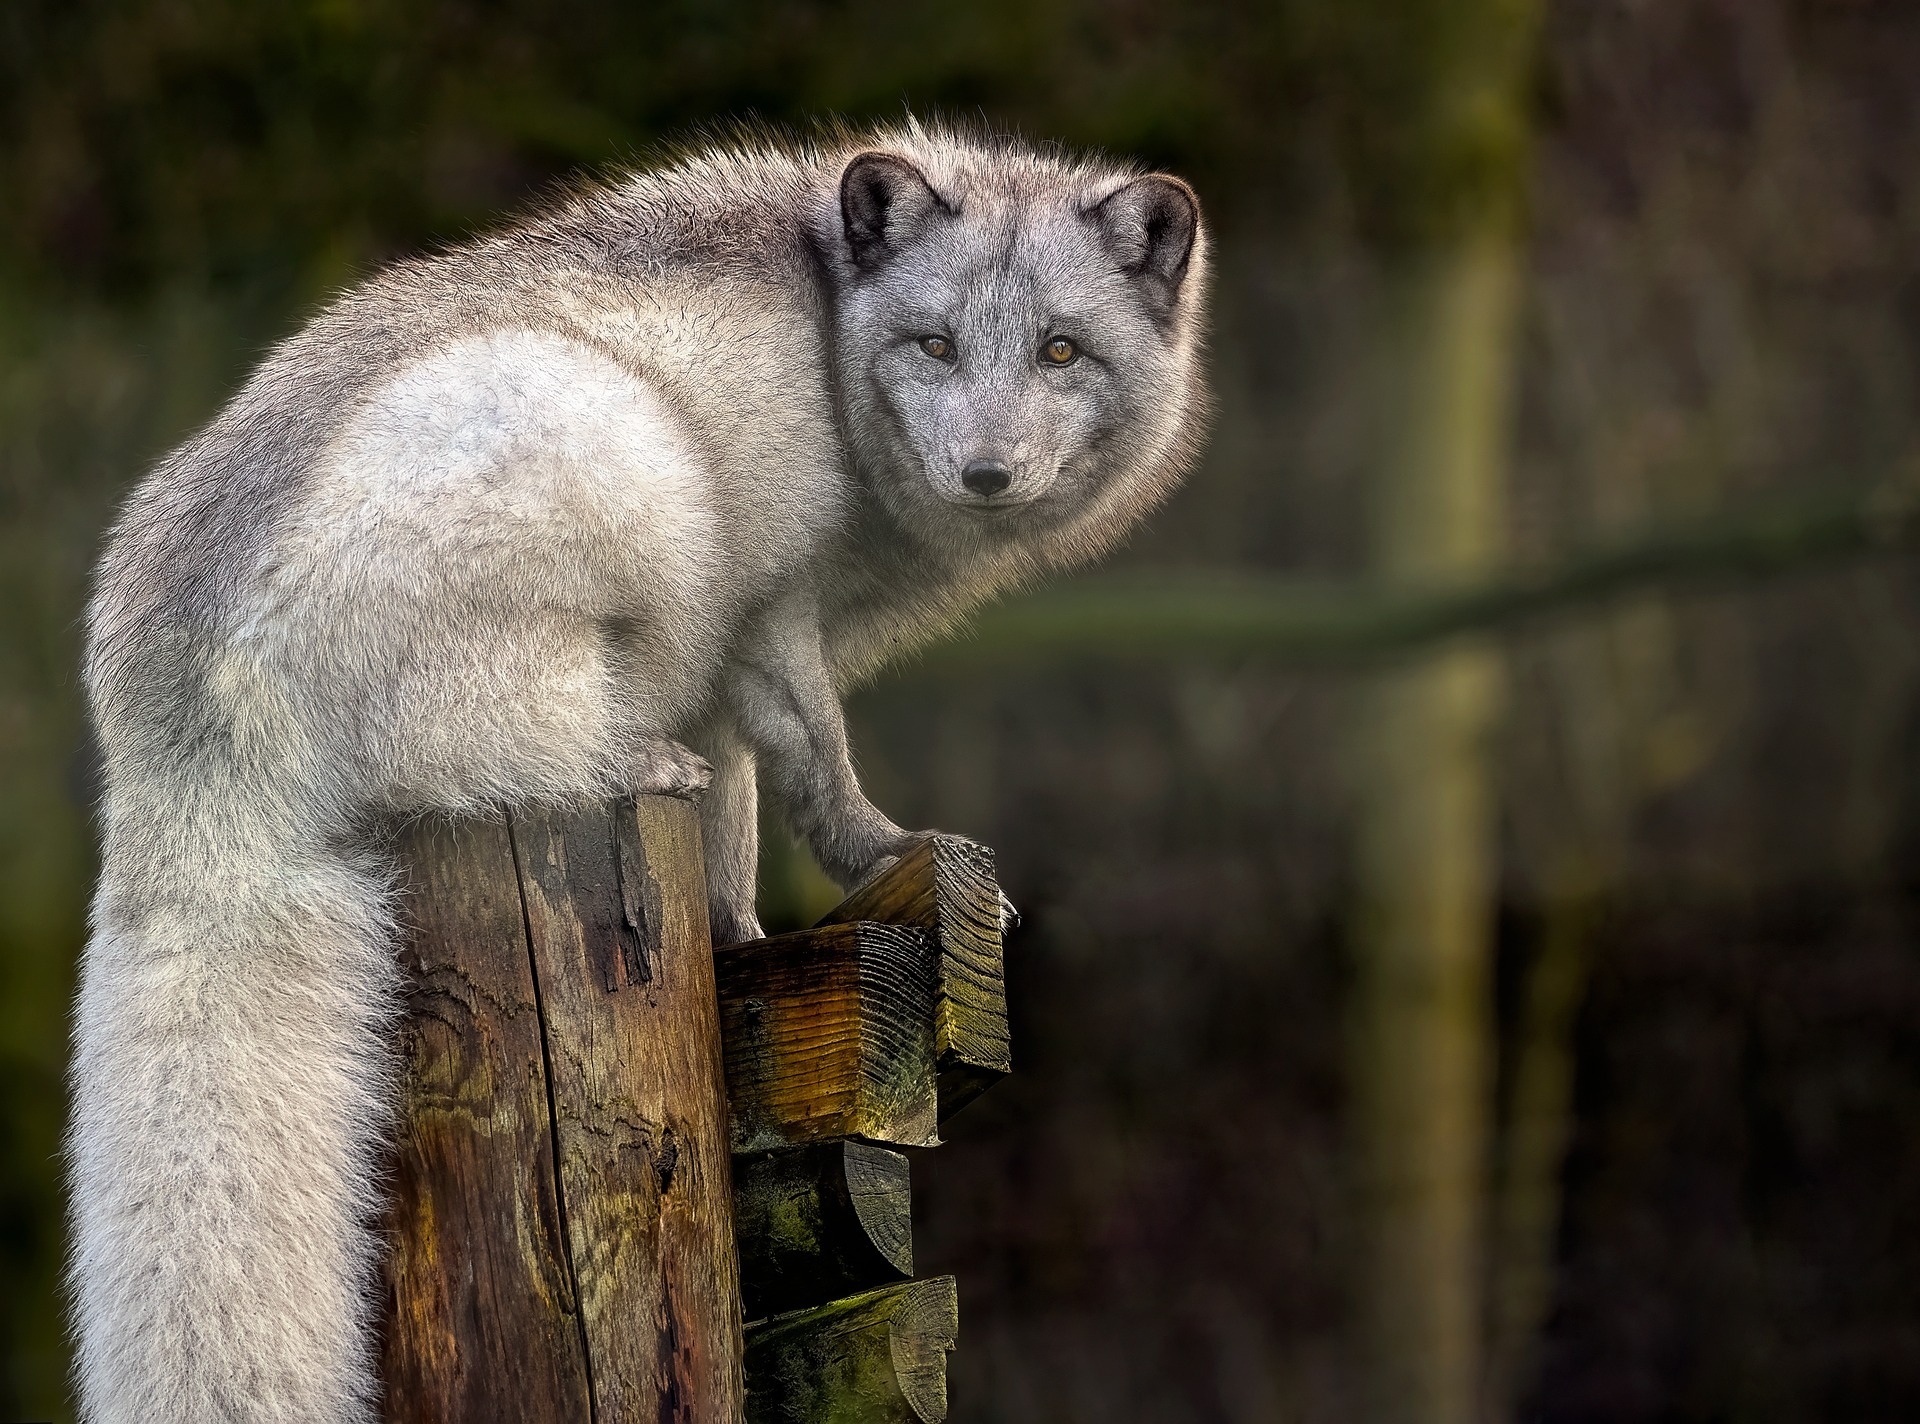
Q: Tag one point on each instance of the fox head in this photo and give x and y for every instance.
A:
(1017, 340)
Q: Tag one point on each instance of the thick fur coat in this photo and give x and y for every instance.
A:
(621, 499)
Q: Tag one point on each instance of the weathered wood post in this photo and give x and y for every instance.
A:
(593, 1098)
(562, 1223)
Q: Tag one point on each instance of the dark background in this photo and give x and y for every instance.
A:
(1618, 1124)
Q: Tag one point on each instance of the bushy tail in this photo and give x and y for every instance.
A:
(230, 1097)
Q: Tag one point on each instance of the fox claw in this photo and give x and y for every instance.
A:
(1009, 917)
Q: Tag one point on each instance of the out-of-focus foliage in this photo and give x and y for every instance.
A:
(227, 140)
(231, 139)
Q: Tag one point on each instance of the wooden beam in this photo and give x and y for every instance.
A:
(820, 1222)
(878, 1358)
(946, 886)
(830, 1033)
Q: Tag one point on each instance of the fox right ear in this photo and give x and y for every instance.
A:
(884, 201)
(1149, 225)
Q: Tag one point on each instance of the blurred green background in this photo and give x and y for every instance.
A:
(1468, 848)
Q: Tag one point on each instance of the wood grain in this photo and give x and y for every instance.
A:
(480, 1316)
(877, 1358)
(830, 1033)
(820, 1222)
(946, 886)
(616, 917)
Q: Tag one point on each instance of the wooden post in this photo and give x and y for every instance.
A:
(562, 1224)
(579, 1065)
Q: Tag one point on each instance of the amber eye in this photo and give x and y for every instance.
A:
(1058, 352)
(937, 347)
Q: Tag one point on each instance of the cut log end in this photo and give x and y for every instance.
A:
(946, 886)
(829, 1033)
(877, 1358)
(820, 1222)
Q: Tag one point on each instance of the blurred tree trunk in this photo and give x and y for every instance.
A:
(1426, 864)
(1426, 853)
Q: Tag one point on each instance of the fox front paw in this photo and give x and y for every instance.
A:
(665, 768)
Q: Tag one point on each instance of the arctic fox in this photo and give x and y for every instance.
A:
(619, 500)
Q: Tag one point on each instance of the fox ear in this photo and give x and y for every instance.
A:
(884, 201)
(1148, 227)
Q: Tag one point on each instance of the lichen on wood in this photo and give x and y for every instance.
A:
(820, 1222)
(877, 1358)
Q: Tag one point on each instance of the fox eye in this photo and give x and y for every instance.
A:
(1059, 352)
(937, 347)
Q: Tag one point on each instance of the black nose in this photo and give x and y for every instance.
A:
(986, 477)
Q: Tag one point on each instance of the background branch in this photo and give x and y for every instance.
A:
(1156, 615)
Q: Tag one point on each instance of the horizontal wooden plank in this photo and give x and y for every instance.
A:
(829, 1033)
(945, 885)
(820, 1222)
(877, 1358)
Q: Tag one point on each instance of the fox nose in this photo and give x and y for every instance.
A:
(986, 477)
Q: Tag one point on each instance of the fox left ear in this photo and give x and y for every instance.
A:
(884, 201)
(1148, 226)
